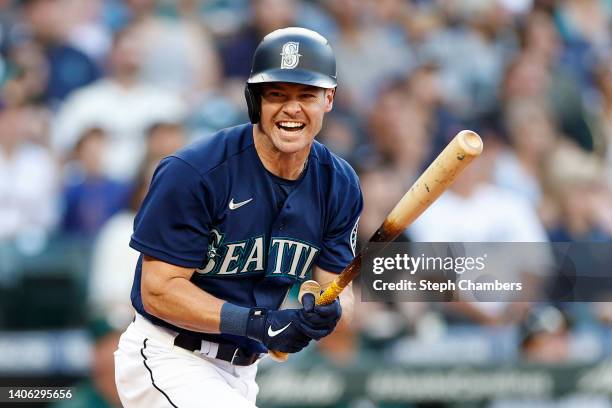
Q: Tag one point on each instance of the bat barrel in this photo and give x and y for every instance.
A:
(440, 174)
(470, 142)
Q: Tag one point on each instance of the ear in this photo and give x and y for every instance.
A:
(329, 99)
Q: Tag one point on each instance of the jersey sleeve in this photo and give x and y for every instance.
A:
(340, 236)
(173, 222)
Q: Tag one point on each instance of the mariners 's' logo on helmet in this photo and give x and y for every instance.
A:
(290, 56)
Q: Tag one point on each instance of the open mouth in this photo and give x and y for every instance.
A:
(290, 126)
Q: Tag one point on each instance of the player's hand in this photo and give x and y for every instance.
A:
(322, 319)
(281, 330)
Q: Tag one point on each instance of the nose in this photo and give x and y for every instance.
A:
(292, 107)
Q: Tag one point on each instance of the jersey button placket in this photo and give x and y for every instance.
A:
(281, 226)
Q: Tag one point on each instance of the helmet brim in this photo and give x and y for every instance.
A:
(293, 76)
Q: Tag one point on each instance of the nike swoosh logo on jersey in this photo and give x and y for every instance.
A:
(273, 333)
(235, 206)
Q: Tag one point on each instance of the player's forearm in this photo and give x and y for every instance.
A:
(168, 294)
(183, 304)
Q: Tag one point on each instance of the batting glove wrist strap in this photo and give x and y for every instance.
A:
(234, 319)
(256, 324)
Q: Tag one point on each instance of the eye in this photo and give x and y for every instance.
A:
(308, 96)
(273, 95)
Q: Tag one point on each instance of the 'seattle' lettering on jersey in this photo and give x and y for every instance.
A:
(248, 253)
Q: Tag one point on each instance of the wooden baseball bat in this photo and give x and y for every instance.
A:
(440, 174)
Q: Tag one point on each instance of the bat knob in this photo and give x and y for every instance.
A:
(310, 286)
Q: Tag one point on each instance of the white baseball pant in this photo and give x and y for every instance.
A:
(151, 372)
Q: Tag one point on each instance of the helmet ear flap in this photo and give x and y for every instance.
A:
(253, 103)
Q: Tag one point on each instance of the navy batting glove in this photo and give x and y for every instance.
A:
(280, 330)
(319, 320)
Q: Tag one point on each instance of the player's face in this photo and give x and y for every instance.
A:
(292, 114)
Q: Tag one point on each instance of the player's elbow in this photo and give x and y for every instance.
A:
(153, 289)
(152, 296)
(158, 282)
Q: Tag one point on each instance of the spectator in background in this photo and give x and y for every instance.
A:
(472, 55)
(602, 114)
(68, 68)
(98, 391)
(526, 78)
(90, 197)
(163, 139)
(23, 67)
(122, 104)
(27, 80)
(424, 90)
(88, 33)
(584, 27)
(28, 177)
(9, 27)
(545, 336)
(382, 188)
(531, 136)
(343, 135)
(580, 195)
(109, 282)
(398, 131)
(552, 82)
(377, 52)
(177, 54)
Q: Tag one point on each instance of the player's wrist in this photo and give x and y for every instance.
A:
(243, 321)
(234, 319)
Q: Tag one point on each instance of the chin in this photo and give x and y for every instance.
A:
(289, 147)
(291, 143)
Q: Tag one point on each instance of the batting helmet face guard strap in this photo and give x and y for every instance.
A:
(294, 55)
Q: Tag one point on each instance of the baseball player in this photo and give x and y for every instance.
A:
(228, 226)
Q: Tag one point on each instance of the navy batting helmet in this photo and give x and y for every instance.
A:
(295, 55)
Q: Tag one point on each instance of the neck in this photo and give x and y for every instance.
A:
(284, 165)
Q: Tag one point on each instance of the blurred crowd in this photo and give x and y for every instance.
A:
(94, 93)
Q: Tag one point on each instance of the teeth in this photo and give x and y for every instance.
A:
(290, 124)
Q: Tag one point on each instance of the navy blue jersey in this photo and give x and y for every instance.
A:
(249, 237)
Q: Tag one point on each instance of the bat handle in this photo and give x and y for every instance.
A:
(310, 286)
(330, 294)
